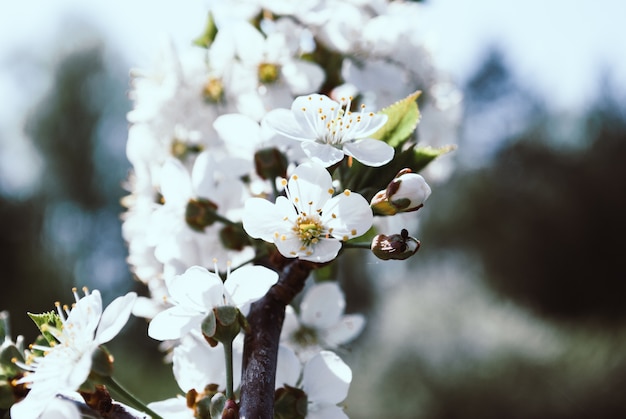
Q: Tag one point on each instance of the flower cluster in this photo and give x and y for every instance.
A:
(258, 153)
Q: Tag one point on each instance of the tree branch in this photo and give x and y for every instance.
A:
(261, 344)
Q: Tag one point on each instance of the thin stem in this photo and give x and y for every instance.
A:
(223, 219)
(361, 245)
(228, 354)
(128, 397)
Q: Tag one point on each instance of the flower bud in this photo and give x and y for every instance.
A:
(405, 193)
(270, 163)
(200, 213)
(397, 246)
(290, 403)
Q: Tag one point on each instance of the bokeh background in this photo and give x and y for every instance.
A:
(515, 305)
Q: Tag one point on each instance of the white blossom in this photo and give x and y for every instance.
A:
(196, 292)
(66, 365)
(309, 223)
(328, 130)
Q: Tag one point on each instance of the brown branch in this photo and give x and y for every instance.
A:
(261, 344)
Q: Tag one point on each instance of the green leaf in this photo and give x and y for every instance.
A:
(49, 319)
(210, 31)
(403, 117)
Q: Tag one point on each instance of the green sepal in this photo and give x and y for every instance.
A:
(218, 402)
(45, 320)
(403, 117)
(7, 397)
(366, 237)
(209, 325)
(228, 324)
(290, 403)
(102, 362)
(208, 36)
(4, 326)
(7, 366)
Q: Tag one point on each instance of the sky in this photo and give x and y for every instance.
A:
(557, 48)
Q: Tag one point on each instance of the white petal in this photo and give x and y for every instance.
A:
(261, 219)
(323, 251)
(173, 323)
(175, 408)
(80, 370)
(115, 317)
(322, 305)
(290, 324)
(240, 133)
(175, 183)
(59, 408)
(289, 246)
(85, 315)
(288, 367)
(326, 378)
(369, 151)
(197, 289)
(348, 215)
(325, 412)
(284, 122)
(249, 283)
(303, 76)
(33, 405)
(345, 330)
(310, 186)
(324, 154)
(313, 103)
(369, 125)
(196, 364)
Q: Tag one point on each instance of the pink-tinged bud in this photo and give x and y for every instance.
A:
(397, 246)
(406, 192)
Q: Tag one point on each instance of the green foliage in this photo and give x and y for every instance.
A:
(46, 320)
(403, 117)
(208, 36)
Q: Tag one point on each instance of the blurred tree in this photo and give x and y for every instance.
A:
(547, 215)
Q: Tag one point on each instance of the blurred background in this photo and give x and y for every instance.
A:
(514, 307)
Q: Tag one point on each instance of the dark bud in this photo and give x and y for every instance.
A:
(270, 163)
(200, 213)
(396, 246)
(290, 403)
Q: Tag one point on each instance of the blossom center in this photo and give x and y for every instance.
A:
(336, 125)
(308, 229)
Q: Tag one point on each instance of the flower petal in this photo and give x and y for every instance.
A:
(310, 186)
(284, 122)
(196, 289)
(175, 183)
(240, 133)
(287, 367)
(262, 219)
(345, 330)
(323, 251)
(196, 364)
(323, 154)
(369, 151)
(174, 323)
(322, 305)
(325, 412)
(115, 317)
(302, 76)
(249, 283)
(348, 215)
(326, 378)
